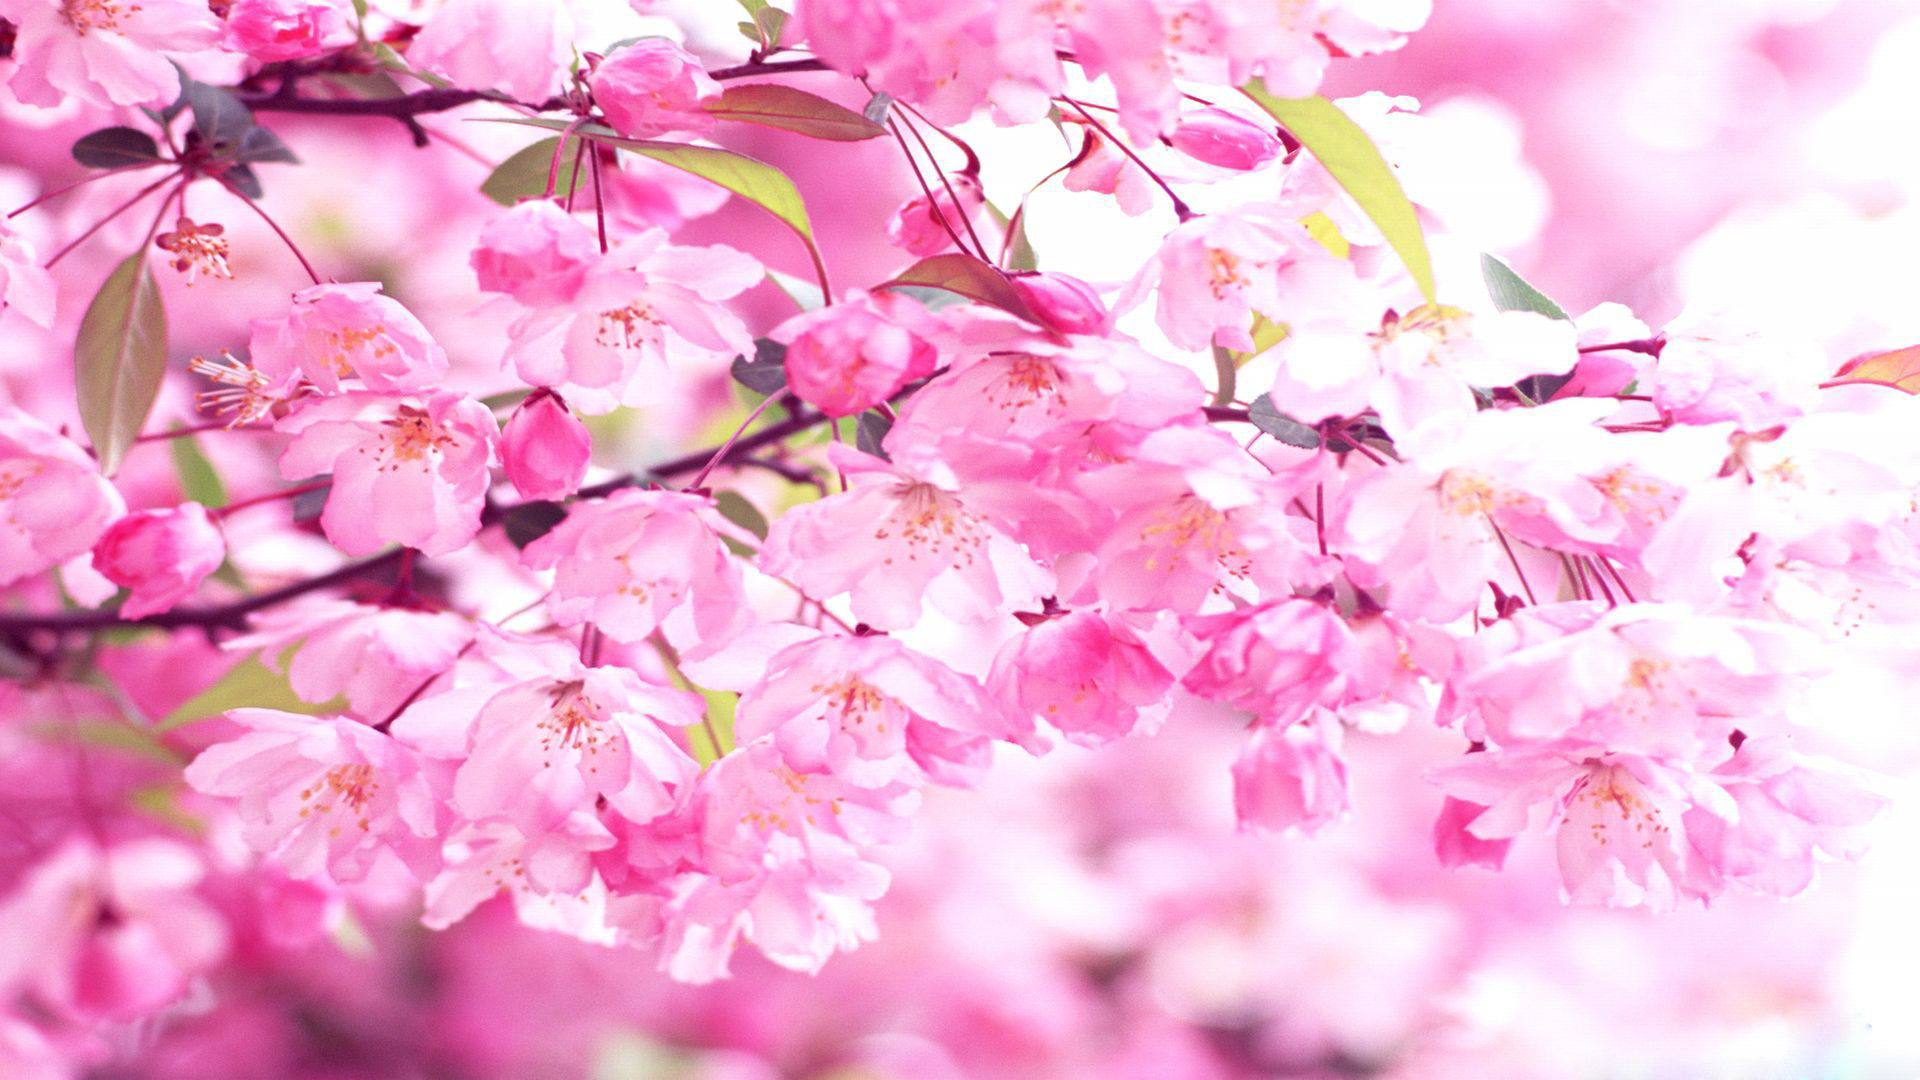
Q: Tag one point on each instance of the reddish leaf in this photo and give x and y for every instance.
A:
(968, 276)
(775, 106)
(1898, 368)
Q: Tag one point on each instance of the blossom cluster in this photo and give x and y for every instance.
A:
(1276, 479)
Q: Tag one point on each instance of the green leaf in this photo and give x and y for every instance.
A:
(1511, 292)
(116, 148)
(736, 508)
(771, 22)
(218, 116)
(755, 181)
(119, 358)
(243, 180)
(524, 175)
(528, 522)
(968, 276)
(198, 479)
(783, 107)
(1281, 426)
(870, 433)
(1346, 152)
(249, 685)
(259, 144)
(1020, 254)
(801, 291)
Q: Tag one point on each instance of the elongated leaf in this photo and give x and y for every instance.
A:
(766, 372)
(250, 684)
(1271, 420)
(115, 148)
(118, 359)
(1020, 254)
(218, 116)
(1511, 292)
(1350, 156)
(199, 480)
(870, 433)
(259, 144)
(1899, 369)
(968, 276)
(244, 180)
(801, 291)
(524, 175)
(755, 181)
(736, 508)
(783, 107)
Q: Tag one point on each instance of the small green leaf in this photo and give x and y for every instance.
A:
(870, 433)
(116, 148)
(801, 291)
(783, 107)
(218, 116)
(1346, 152)
(243, 180)
(528, 522)
(771, 22)
(524, 175)
(119, 358)
(249, 685)
(968, 276)
(766, 373)
(259, 144)
(199, 480)
(1281, 426)
(1327, 234)
(1511, 292)
(1020, 254)
(736, 508)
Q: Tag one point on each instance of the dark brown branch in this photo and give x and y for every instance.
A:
(776, 67)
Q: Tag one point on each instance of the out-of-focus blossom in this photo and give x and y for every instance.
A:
(161, 555)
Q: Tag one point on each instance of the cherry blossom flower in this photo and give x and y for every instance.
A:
(927, 226)
(640, 561)
(1225, 139)
(1086, 674)
(25, 288)
(857, 353)
(1275, 660)
(53, 503)
(376, 656)
(103, 52)
(324, 796)
(650, 87)
(545, 448)
(162, 555)
(276, 30)
(536, 253)
(1291, 776)
(335, 332)
(403, 473)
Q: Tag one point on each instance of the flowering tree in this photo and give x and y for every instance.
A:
(645, 592)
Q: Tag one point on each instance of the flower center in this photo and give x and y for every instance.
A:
(86, 15)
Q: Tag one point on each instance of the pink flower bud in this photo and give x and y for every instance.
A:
(652, 87)
(856, 354)
(546, 448)
(162, 555)
(1218, 137)
(916, 227)
(1063, 302)
(536, 253)
(274, 30)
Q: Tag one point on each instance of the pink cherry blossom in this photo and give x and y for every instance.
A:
(162, 555)
(376, 656)
(545, 448)
(1063, 302)
(103, 52)
(1215, 272)
(873, 713)
(1790, 807)
(898, 538)
(1291, 776)
(640, 561)
(536, 253)
(650, 87)
(1105, 169)
(646, 302)
(275, 30)
(1226, 139)
(325, 797)
(1088, 675)
(403, 473)
(521, 47)
(53, 503)
(857, 353)
(1275, 660)
(25, 288)
(335, 332)
(928, 226)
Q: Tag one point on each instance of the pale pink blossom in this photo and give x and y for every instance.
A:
(872, 712)
(485, 859)
(1226, 139)
(857, 353)
(103, 52)
(640, 561)
(110, 934)
(928, 226)
(949, 57)
(1790, 807)
(324, 797)
(403, 472)
(53, 502)
(274, 30)
(1062, 302)
(1275, 660)
(1214, 273)
(536, 253)
(545, 448)
(1291, 776)
(26, 289)
(1716, 367)
(899, 538)
(161, 555)
(521, 47)
(1103, 168)
(376, 656)
(651, 87)
(1088, 675)
(336, 332)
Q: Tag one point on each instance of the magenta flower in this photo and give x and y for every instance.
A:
(1088, 675)
(275, 30)
(403, 473)
(545, 448)
(651, 87)
(1276, 660)
(858, 353)
(162, 555)
(1226, 139)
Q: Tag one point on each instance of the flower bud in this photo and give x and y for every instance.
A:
(652, 87)
(855, 354)
(536, 253)
(916, 227)
(1218, 137)
(162, 555)
(546, 448)
(276, 30)
(1062, 302)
